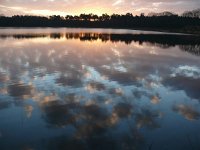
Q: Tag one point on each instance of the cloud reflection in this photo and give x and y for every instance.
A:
(96, 90)
(20, 90)
(188, 112)
(190, 85)
(147, 119)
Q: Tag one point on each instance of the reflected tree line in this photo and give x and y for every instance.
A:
(188, 43)
(187, 22)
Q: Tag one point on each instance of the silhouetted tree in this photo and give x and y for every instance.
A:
(189, 22)
(193, 13)
(165, 13)
(104, 17)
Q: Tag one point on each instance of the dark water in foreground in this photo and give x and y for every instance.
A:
(96, 89)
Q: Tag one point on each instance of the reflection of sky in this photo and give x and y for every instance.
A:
(91, 91)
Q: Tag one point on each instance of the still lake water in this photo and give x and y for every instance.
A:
(96, 89)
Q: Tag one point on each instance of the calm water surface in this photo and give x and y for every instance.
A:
(95, 89)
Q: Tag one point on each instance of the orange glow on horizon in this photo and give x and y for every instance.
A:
(77, 7)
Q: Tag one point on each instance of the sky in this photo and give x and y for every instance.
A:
(76, 7)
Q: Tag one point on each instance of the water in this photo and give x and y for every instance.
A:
(99, 89)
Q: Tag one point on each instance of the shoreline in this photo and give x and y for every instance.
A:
(160, 31)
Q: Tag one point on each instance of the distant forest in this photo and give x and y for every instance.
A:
(188, 22)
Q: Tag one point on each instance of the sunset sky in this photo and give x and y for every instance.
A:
(76, 7)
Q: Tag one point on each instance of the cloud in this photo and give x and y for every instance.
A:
(157, 4)
(118, 2)
(63, 7)
(189, 112)
(190, 85)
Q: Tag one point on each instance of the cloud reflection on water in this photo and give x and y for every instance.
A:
(108, 89)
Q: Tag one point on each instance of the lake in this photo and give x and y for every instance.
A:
(98, 89)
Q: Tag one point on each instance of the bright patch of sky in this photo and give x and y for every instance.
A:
(76, 7)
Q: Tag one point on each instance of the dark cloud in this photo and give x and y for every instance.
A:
(122, 110)
(20, 90)
(57, 113)
(148, 118)
(116, 91)
(124, 78)
(190, 85)
(74, 81)
(4, 104)
(95, 86)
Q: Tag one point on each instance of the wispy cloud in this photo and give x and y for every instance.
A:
(63, 7)
(118, 2)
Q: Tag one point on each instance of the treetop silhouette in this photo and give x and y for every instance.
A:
(188, 22)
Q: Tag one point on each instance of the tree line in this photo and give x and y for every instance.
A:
(168, 21)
